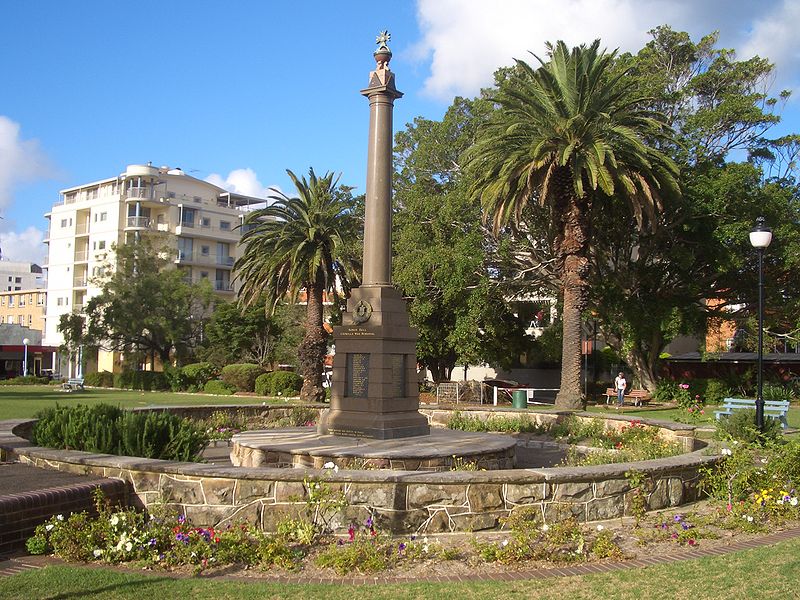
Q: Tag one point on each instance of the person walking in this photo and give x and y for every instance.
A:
(620, 385)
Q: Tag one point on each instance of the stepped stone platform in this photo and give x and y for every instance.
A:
(442, 450)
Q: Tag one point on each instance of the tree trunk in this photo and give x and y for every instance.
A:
(570, 214)
(643, 370)
(312, 349)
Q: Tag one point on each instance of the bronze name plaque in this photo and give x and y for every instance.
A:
(357, 376)
(398, 381)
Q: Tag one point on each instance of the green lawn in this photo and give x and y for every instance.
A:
(769, 572)
(21, 401)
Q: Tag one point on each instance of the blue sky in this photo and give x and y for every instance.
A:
(240, 91)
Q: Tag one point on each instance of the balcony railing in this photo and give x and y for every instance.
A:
(79, 282)
(142, 193)
(81, 228)
(187, 224)
(184, 256)
(225, 260)
(223, 286)
(139, 222)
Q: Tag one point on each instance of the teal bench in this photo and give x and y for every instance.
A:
(774, 409)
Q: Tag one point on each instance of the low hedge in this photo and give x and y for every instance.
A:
(279, 383)
(99, 379)
(25, 380)
(220, 388)
(241, 376)
(107, 429)
(141, 380)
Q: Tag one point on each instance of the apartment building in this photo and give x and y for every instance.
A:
(16, 276)
(23, 307)
(197, 219)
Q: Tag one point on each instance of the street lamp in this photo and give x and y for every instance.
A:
(760, 238)
(25, 343)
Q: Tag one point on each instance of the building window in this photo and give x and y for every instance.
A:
(225, 225)
(63, 223)
(101, 245)
(17, 279)
(203, 274)
(205, 250)
(205, 222)
(11, 300)
(103, 216)
(60, 302)
(22, 300)
(30, 320)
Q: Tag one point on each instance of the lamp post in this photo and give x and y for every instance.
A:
(25, 343)
(760, 238)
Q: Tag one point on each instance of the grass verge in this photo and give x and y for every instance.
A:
(768, 572)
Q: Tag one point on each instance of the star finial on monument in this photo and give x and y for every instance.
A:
(382, 40)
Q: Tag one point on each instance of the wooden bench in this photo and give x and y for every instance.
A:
(72, 385)
(639, 397)
(774, 409)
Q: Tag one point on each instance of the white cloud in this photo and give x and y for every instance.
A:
(774, 36)
(241, 181)
(466, 40)
(25, 246)
(20, 161)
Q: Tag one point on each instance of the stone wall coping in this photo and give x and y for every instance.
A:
(19, 446)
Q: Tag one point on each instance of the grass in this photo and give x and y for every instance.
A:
(21, 401)
(768, 572)
(670, 414)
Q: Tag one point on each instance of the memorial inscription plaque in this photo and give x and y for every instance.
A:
(357, 376)
(398, 366)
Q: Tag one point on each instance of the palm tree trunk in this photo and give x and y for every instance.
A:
(571, 246)
(312, 349)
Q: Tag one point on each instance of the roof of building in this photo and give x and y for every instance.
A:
(12, 335)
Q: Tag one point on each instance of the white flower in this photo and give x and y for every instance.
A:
(793, 501)
(97, 553)
(764, 461)
(600, 528)
(114, 520)
(504, 543)
(749, 519)
(726, 452)
(331, 465)
(60, 517)
(48, 527)
(129, 546)
(545, 527)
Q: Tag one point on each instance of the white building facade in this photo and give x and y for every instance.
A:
(198, 220)
(16, 276)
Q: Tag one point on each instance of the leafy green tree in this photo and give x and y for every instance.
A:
(296, 244)
(442, 259)
(565, 133)
(145, 309)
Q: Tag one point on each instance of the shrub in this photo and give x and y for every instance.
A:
(107, 429)
(666, 391)
(141, 380)
(713, 391)
(160, 435)
(198, 374)
(89, 428)
(741, 426)
(25, 380)
(278, 383)
(220, 388)
(99, 379)
(241, 376)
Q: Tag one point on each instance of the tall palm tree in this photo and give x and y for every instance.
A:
(299, 244)
(564, 132)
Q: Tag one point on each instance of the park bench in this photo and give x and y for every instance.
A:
(73, 384)
(774, 409)
(639, 397)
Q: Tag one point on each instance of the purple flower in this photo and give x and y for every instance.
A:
(368, 522)
(152, 542)
(678, 518)
(181, 519)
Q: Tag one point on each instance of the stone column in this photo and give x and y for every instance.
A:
(375, 392)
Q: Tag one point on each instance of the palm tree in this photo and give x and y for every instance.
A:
(564, 132)
(298, 244)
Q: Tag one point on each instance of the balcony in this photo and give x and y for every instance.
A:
(226, 261)
(140, 193)
(81, 255)
(79, 282)
(223, 286)
(82, 229)
(138, 223)
(184, 256)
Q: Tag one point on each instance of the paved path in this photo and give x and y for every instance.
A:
(16, 478)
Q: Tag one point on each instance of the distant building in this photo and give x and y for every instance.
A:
(20, 345)
(16, 276)
(25, 308)
(198, 219)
